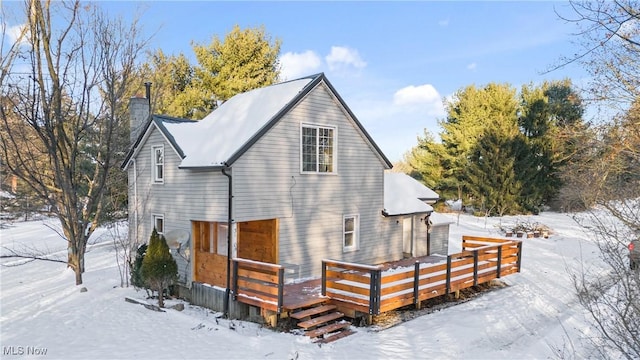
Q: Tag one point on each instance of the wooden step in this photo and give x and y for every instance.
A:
(327, 329)
(336, 336)
(312, 311)
(320, 320)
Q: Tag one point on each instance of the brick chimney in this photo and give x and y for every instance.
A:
(139, 111)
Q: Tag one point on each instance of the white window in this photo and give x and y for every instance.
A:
(318, 149)
(157, 153)
(158, 223)
(223, 231)
(350, 232)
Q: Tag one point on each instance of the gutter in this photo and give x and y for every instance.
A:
(229, 230)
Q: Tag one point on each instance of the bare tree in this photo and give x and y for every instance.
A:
(613, 298)
(62, 84)
(608, 36)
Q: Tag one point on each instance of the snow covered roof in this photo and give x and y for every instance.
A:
(405, 195)
(225, 134)
(440, 219)
(213, 140)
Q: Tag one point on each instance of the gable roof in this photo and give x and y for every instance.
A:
(221, 137)
(159, 122)
(405, 195)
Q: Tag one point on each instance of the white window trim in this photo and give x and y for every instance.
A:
(154, 218)
(335, 149)
(356, 233)
(154, 166)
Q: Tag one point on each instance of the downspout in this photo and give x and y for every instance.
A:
(135, 200)
(229, 230)
(427, 220)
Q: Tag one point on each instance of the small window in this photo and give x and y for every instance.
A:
(158, 223)
(318, 149)
(222, 238)
(350, 230)
(211, 237)
(158, 163)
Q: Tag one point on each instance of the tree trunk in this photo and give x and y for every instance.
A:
(75, 261)
(161, 297)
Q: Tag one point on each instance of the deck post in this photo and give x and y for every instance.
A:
(374, 292)
(448, 286)
(324, 278)
(280, 290)
(499, 265)
(519, 255)
(235, 280)
(416, 283)
(475, 267)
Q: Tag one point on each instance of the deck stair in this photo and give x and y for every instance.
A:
(322, 323)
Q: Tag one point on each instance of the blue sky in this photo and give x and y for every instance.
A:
(392, 62)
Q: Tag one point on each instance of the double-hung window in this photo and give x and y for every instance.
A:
(157, 153)
(318, 149)
(350, 232)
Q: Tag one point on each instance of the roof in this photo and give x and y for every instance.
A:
(405, 195)
(159, 121)
(220, 138)
(440, 219)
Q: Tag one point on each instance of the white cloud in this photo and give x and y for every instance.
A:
(472, 66)
(13, 33)
(294, 65)
(444, 22)
(341, 57)
(422, 94)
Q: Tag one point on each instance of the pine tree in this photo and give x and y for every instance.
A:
(159, 268)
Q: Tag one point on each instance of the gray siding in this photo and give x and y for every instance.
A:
(185, 195)
(440, 240)
(310, 207)
(268, 184)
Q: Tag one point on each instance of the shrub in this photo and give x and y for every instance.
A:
(159, 268)
(136, 268)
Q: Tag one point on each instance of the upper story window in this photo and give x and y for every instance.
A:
(318, 149)
(157, 153)
(350, 232)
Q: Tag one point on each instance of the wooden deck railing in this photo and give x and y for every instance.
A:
(370, 290)
(356, 284)
(258, 284)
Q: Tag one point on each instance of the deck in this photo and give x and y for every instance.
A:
(375, 289)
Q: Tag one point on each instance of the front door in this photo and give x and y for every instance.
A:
(258, 240)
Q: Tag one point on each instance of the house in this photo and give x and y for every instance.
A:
(284, 174)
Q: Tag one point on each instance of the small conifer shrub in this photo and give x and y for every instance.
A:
(159, 268)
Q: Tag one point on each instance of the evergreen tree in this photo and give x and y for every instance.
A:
(470, 112)
(550, 115)
(159, 268)
(246, 59)
(491, 176)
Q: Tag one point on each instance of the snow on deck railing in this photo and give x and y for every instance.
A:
(258, 283)
(486, 259)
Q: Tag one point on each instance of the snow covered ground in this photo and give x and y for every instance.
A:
(43, 315)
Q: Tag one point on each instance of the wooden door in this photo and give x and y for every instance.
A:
(258, 240)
